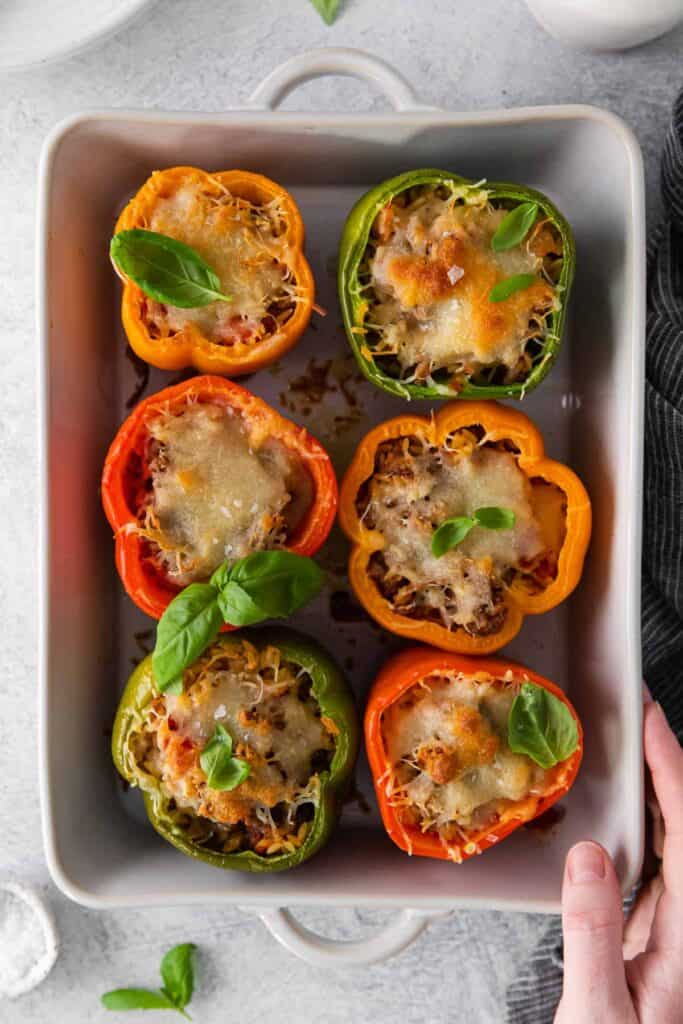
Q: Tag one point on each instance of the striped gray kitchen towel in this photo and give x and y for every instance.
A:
(533, 996)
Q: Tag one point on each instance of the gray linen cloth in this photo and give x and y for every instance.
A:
(535, 993)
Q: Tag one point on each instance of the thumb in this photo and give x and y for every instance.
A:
(592, 924)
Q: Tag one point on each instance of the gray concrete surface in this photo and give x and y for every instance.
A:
(206, 55)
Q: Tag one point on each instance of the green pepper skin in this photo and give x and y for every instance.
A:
(334, 697)
(352, 248)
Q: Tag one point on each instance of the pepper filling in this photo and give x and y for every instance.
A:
(427, 274)
(267, 706)
(415, 486)
(246, 244)
(215, 488)
(450, 769)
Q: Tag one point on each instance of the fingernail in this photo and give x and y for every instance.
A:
(647, 696)
(586, 863)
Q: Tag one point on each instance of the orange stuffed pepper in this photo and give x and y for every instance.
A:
(249, 231)
(460, 526)
(205, 472)
(465, 750)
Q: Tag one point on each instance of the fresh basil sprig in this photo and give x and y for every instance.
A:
(177, 974)
(327, 9)
(165, 269)
(510, 285)
(541, 726)
(514, 227)
(264, 585)
(222, 770)
(453, 531)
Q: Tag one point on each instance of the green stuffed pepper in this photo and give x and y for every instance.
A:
(455, 289)
(246, 768)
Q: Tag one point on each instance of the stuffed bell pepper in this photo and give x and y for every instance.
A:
(451, 288)
(465, 750)
(460, 526)
(213, 269)
(204, 473)
(244, 764)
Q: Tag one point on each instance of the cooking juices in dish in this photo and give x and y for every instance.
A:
(460, 526)
(465, 750)
(249, 231)
(454, 288)
(203, 473)
(245, 768)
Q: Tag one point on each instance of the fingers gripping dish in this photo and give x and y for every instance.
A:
(460, 526)
(454, 288)
(465, 750)
(205, 472)
(246, 767)
(249, 231)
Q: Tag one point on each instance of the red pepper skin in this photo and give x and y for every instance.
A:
(124, 471)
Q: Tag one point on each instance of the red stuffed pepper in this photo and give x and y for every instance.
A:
(205, 472)
(465, 750)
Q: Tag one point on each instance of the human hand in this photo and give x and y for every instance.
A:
(641, 981)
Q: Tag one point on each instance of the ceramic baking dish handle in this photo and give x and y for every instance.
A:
(319, 951)
(335, 60)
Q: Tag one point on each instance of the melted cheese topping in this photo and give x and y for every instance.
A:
(432, 273)
(240, 242)
(446, 744)
(217, 494)
(267, 707)
(412, 493)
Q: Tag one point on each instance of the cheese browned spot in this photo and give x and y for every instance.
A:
(413, 489)
(245, 245)
(430, 269)
(451, 768)
(266, 705)
(217, 490)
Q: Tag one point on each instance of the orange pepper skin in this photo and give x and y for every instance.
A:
(191, 347)
(125, 465)
(398, 675)
(499, 422)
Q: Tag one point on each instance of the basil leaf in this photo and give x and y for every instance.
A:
(190, 623)
(509, 285)
(136, 999)
(514, 227)
(237, 607)
(222, 770)
(175, 687)
(165, 269)
(450, 533)
(177, 973)
(327, 9)
(494, 518)
(541, 726)
(276, 582)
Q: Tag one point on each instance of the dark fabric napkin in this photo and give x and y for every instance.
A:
(535, 993)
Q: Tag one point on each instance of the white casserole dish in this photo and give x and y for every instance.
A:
(589, 409)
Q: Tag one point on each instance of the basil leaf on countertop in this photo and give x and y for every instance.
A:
(510, 285)
(541, 726)
(177, 974)
(327, 9)
(165, 269)
(222, 770)
(514, 227)
(453, 531)
(190, 623)
(136, 999)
